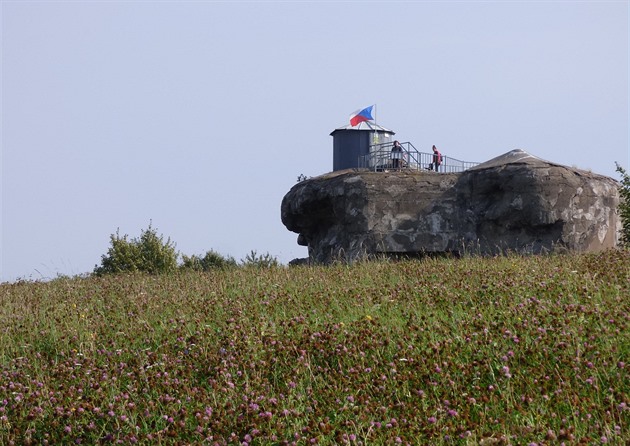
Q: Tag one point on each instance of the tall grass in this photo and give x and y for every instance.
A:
(506, 350)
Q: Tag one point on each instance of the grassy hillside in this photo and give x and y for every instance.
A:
(507, 350)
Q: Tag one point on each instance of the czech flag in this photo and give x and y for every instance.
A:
(361, 116)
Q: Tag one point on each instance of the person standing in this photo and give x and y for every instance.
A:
(437, 159)
(397, 155)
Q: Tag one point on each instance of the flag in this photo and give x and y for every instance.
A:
(361, 116)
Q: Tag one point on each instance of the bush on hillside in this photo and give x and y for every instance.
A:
(150, 254)
(253, 259)
(624, 206)
(210, 261)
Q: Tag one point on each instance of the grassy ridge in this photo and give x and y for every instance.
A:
(507, 350)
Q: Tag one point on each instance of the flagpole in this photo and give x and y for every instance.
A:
(375, 139)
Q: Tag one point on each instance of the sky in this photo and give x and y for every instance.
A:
(197, 117)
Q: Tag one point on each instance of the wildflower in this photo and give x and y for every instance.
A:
(506, 371)
(452, 413)
(432, 420)
(551, 435)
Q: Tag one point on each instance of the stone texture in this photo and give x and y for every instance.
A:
(515, 202)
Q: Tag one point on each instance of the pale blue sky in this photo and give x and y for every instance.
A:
(199, 116)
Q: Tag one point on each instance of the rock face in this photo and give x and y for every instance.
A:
(515, 202)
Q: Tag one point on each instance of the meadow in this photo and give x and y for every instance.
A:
(474, 351)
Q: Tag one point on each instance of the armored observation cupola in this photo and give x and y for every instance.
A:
(353, 143)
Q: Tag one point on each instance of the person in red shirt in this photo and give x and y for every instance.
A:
(437, 159)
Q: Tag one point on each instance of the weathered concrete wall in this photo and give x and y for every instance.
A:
(515, 202)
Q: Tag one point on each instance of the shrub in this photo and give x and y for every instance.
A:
(211, 260)
(253, 259)
(150, 254)
(624, 206)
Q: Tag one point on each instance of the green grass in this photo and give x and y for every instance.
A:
(506, 350)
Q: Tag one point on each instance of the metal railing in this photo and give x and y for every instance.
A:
(381, 159)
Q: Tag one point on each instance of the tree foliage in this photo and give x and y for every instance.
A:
(210, 261)
(150, 254)
(253, 259)
(624, 206)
